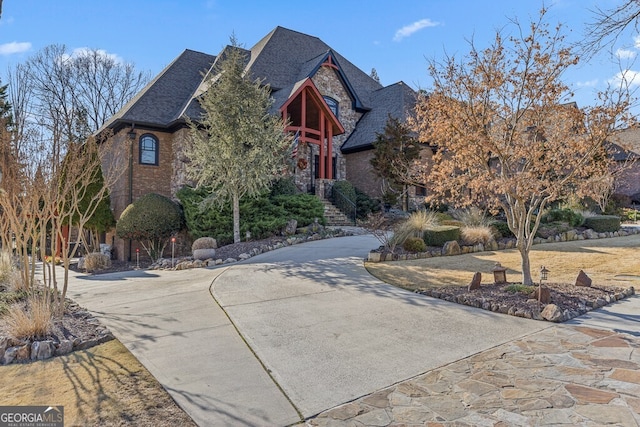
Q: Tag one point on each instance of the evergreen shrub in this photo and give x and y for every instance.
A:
(439, 235)
(603, 223)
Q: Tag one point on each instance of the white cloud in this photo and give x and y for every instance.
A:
(626, 77)
(14, 47)
(625, 54)
(636, 41)
(408, 30)
(588, 83)
(84, 51)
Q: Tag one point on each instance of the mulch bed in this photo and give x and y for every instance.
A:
(570, 299)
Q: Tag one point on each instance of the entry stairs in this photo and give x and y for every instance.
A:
(335, 216)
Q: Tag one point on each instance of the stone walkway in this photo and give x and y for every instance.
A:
(563, 375)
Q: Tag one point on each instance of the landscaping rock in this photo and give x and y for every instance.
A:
(475, 282)
(552, 313)
(24, 351)
(230, 260)
(64, 347)
(9, 355)
(451, 248)
(545, 295)
(583, 280)
(41, 350)
(244, 256)
(203, 254)
(291, 227)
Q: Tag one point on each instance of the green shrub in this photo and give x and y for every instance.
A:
(366, 205)
(630, 214)
(284, 187)
(603, 223)
(519, 288)
(150, 220)
(414, 244)
(439, 235)
(304, 208)
(346, 188)
(572, 218)
(263, 216)
(502, 228)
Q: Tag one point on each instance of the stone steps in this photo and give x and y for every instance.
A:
(335, 216)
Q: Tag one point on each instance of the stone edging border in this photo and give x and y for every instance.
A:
(24, 351)
(189, 262)
(534, 313)
(567, 236)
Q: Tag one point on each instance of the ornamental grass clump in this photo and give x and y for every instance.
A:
(415, 226)
(96, 261)
(472, 235)
(473, 217)
(33, 321)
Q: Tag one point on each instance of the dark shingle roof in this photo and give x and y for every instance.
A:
(283, 59)
(285, 56)
(162, 101)
(397, 100)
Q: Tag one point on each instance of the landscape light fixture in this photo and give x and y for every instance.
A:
(499, 273)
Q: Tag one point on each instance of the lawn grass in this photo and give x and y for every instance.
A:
(102, 386)
(611, 261)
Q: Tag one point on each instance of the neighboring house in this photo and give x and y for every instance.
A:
(335, 108)
(626, 153)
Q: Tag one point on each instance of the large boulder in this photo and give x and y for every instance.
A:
(583, 280)
(552, 313)
(451, 248)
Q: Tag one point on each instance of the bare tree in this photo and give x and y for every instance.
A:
(506, 138)
(49, 180)
(609, 24)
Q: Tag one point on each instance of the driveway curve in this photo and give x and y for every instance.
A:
(328, 332)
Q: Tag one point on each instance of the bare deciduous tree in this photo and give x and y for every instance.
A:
(49, 173)
(609, 24)
(506, 137)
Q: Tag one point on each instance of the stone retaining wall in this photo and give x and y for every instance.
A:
(28, 350)
(453, 248)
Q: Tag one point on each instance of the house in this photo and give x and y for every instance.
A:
(625, 150)
(335, 108)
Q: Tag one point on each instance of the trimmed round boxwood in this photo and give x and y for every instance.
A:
(439, 235)
(414, 244)
(151, 220)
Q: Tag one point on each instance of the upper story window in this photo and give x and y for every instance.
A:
(333, 105)
(148, 150)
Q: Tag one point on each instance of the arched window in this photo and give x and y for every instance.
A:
(333, 105)
(148, 150)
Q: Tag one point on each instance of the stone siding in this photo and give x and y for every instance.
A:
(329, 84)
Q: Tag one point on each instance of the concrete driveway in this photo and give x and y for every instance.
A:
(287, 334)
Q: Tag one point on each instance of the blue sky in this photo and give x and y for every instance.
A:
(393, 36)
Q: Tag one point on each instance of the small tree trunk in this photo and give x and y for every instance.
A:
(526, 265)
(236, 219)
